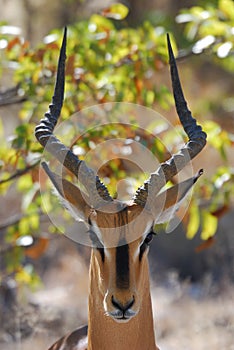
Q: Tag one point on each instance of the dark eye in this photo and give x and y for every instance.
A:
(149, 238)
(145, 244)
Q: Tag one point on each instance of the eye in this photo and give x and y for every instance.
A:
(146, 244)
(149, 238)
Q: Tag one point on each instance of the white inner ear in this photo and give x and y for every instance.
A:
(169, 213)
(176, 193)
(75, 213)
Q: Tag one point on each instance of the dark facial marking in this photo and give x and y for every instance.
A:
(102, 253)
(122, 265)
(122, 254)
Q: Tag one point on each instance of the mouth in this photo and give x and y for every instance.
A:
(122, 317)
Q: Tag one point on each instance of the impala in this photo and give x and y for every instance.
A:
(120, 312)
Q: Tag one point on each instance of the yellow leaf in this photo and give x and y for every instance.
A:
(227, 7)
(25, 183)
(209, 225)
(194, 221)
(23, 276)
(116, 11)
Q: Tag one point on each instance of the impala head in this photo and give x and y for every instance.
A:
(121, 233)
(121, 241)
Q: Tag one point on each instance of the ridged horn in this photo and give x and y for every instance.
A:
(196, 142)
(98, 193)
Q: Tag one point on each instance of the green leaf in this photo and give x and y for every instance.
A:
(149, 98)
(13, 259)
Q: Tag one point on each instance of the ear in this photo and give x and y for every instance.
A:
(73, 198)
(169, 201)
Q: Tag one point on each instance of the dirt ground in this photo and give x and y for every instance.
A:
(181, 322)
(199, 323)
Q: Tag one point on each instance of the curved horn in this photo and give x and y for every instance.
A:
(197, 140)
(44, 133)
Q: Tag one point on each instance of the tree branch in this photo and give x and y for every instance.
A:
(19, 173)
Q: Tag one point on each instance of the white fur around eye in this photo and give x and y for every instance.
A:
(97, 231)
(107, 254)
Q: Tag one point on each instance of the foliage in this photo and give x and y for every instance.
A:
(96, 72)
(210, 27)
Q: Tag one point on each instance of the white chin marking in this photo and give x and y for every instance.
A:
(82, 344)
(122, 320)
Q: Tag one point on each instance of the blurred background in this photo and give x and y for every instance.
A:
(44, 275)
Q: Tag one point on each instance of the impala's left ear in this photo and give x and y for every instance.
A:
(73, 198)
(171, 199)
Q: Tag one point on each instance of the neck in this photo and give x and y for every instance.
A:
(105, 333)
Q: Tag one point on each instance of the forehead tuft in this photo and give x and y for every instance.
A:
(124, 226)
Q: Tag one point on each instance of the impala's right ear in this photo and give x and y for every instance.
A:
(74, 199)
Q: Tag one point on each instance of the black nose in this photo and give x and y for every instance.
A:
(122, 307)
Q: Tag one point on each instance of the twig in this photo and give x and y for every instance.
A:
(15, 219)
(11, 96)
(19, 173)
